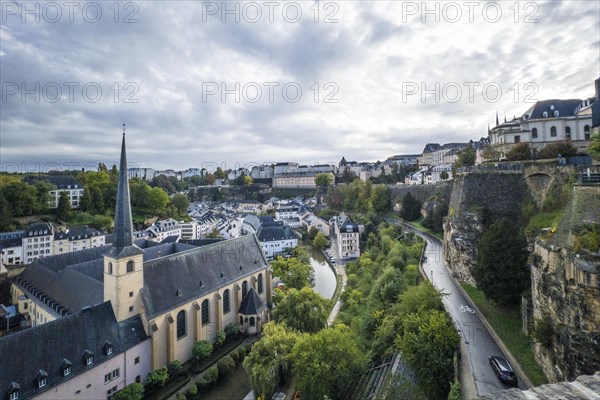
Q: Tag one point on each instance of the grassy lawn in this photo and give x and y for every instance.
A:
(418, 224)
(507, 325)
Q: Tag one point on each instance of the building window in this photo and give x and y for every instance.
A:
(111, 375)
(553, 131)
(88, 357)
(244, 289)
(260, 283)
(138, 379)
(568, 132)
(110, 393)
(205, 315)
(130, 308)
(130, 266)
(251, 321)
(517, 139)
(136, 360)
(180, 324)
(586, 132)
(14, 395)
(226, 305)
(130, 294)
(67, 371)
(109, 267)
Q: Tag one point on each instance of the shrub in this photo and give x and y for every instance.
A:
(202, 349)
(203, 381)
(220, 339)
(135, 391)
(181, 397)
(212, 374)
(543, 332)
(174, 367)
(231, 330)
(454, 392)
(565, 149)
(521, 151)
(226, 365)
(157, 378)
(235, 355)
(193, 390)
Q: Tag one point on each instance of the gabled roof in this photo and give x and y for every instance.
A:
(275, 233)
(431, 147)
(46, 346)
(198, 271)
(565, 108)
(252, 304)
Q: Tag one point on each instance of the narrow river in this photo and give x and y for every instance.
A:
(237, 385)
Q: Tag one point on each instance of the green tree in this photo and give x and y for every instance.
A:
(102, 222)
(323, 180)
(64, 206)
(294, 272)
(181, 204)
(86, 203)
(157, 378)
(320, 241)
(444, 175)
(97, 201)
(304, 310)
(552, 150)
(411, 207)
(43, 189)
(157, 201)
(191, 195)
(465, 157)
(213, 234)
(6, 223)
(202, 349)
(380, 199)
(519, 152)
(594, 147)
(312, 232)
(248, 181)
(220, 174)
(327, 363)
(21, 197)
(501, 269)
(174, 367)
(269, 361)
(113, 174)
(428, 342)
(135, 391)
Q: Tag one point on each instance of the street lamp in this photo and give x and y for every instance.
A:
(431, 276)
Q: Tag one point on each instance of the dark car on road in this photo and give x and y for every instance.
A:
(503, 370)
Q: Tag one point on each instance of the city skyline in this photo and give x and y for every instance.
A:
(194, 90)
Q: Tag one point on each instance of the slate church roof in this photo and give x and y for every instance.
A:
(252, 304)
(45, 347)
(178, 279)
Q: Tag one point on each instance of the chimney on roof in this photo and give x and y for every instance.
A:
(597, 85)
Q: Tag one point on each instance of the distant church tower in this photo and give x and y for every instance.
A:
(123, 263)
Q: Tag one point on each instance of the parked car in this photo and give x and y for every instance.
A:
(503, 370)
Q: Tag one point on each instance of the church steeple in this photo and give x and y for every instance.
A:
(124, 261)
(123, 221)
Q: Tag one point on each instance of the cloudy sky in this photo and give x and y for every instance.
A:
(236, 83)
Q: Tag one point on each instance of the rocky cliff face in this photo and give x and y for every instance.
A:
(461, 237)
(566, 290)
(475, 199)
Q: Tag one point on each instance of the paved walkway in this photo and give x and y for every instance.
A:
(340, 270)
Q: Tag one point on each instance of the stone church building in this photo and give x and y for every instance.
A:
(102, 318)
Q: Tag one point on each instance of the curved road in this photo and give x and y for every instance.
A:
(478, 341)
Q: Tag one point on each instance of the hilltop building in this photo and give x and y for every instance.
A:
(66, 184)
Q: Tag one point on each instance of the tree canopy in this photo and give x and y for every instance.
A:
(320, 241)
(411, 207)
(304, 310)
(327, 363)
(323, 180)
(380, 199)
(594, 147)
(501, 269)
(294, 272)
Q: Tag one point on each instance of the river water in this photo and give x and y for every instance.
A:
(237, 385)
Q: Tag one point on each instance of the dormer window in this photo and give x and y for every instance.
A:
(42, 378)
(88, 357)
(66, 367)
(545, 114)
(108, 348)
(14, 391)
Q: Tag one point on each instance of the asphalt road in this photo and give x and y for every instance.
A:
(478, 341)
